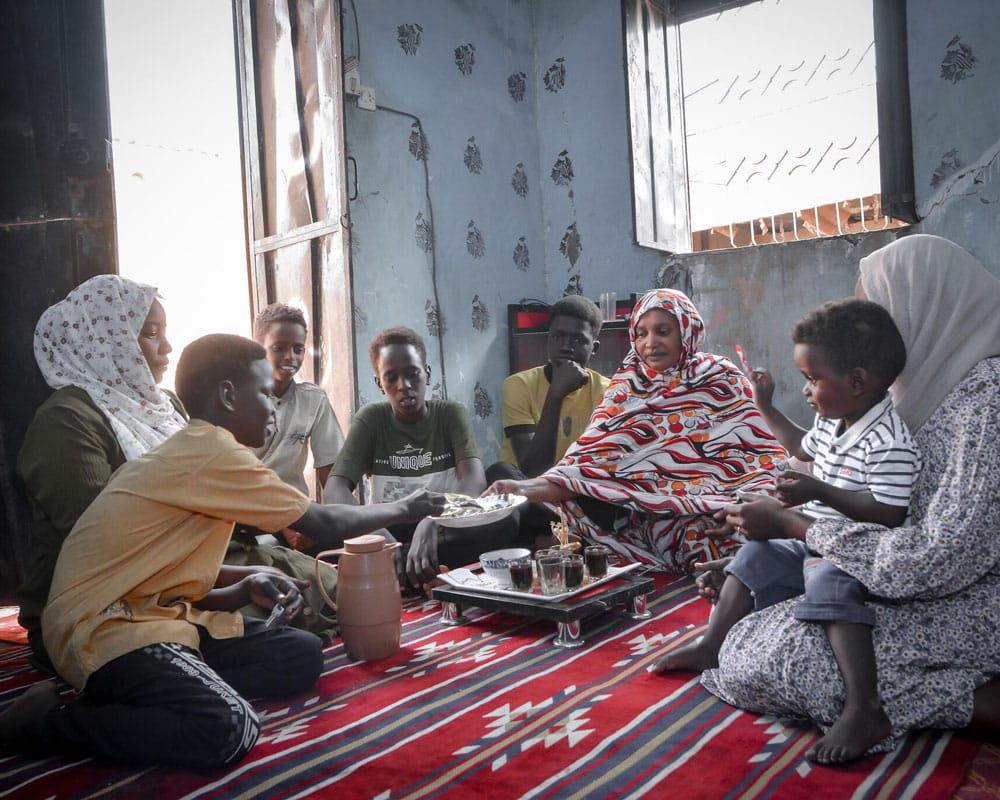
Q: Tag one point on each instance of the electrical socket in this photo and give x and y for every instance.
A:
(352, 76)
(352, 82)
(366, 98)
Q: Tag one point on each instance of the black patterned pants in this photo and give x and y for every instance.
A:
(165, 704)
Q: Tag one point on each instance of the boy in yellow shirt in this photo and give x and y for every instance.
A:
(546, 408)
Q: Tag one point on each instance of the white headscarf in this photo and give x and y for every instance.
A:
(91, 340)
(947, 308)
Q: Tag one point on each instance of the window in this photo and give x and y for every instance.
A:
(763, 122)
(178, 192)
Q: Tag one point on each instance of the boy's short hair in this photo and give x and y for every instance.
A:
(855, 333)
(399, 334)
(277, 312)
(208, 361)
(580, 307)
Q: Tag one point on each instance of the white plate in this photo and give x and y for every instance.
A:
(478, 581)
(501, 506)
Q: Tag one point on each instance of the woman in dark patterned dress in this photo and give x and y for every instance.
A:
(937, 579)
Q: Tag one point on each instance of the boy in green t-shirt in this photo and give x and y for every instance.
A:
(410, 443)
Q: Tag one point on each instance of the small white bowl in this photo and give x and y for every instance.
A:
(496, 563)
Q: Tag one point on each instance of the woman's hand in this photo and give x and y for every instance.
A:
(762, 517)
(537, 490)
(722, 529)
(505, 486)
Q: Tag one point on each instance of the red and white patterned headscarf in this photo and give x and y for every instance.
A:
(91, 340)
(678, 442)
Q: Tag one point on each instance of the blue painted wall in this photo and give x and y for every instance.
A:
(447, 156)
(569, 130)
(954, 71)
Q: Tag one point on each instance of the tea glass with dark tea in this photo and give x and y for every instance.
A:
(521, 574)
(572, 566)
(596, 557)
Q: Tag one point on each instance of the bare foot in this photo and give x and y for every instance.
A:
(695, 657)
(852, 734)
(21, 723)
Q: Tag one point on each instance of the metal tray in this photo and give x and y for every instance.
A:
(474, 579)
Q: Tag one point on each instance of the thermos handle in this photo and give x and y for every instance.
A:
(339, 552)
(319, 581)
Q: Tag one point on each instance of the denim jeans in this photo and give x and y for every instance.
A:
(777, 569)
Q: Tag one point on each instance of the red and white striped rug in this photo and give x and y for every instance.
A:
(492, 710)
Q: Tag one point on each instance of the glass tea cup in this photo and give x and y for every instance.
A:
(550, 574)
(596, 557)
(521, 574)
(572, 567)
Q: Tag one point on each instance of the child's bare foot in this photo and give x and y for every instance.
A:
(695, 657)
(856, 730)
(21, 723)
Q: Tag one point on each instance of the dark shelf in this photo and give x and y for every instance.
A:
(527, 332)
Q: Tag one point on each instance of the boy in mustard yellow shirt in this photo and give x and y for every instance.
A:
(142, 612)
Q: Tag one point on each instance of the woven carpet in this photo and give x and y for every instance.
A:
(492, 710)
(10, 631)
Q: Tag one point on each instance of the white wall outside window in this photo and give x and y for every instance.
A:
(762, 110)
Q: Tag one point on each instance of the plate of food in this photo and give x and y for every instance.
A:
(462, 511)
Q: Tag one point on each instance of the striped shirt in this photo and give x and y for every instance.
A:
(876, 454)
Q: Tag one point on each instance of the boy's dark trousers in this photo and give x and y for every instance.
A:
(164, 704)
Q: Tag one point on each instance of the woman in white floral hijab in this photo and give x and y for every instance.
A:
(104, 350)
(108, 337)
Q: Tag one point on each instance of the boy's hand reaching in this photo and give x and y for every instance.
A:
(422, 559)
(422, 503)
(763, 387)
(795, 488)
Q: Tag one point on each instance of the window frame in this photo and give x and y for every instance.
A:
(661, 201)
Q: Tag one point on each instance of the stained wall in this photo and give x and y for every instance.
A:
(954, 65)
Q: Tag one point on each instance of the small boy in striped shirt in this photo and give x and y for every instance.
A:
(864, 466)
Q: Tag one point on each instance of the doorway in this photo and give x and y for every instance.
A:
(175, 142)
